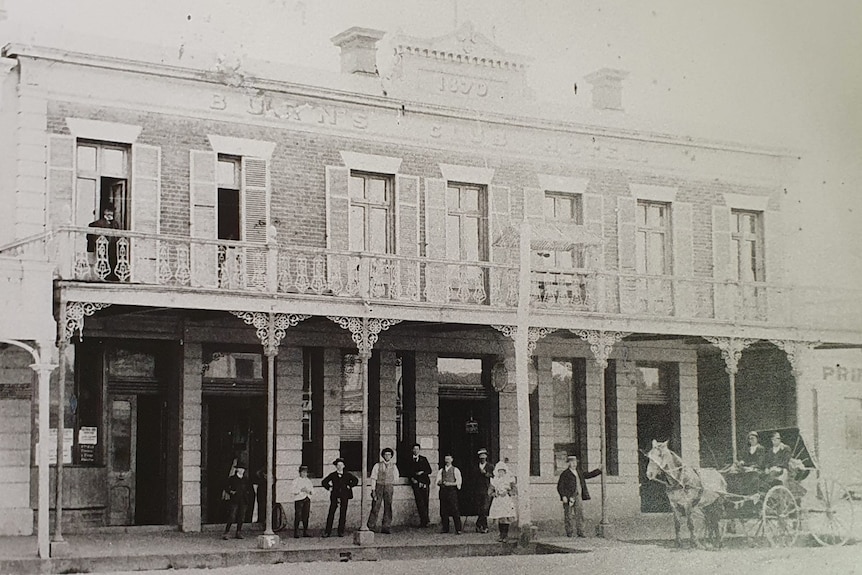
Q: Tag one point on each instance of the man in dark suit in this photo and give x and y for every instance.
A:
(238, 492)
(572, 487)
(483, 473)
(419, 471)
(340, 484)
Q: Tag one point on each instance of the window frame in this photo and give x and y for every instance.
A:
(577, 255)
(368, 205)
(480, 214)
(237, 187)
(738, 241)
(646, 230)
(97, 175)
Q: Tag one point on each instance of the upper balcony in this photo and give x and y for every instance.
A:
(122, 259)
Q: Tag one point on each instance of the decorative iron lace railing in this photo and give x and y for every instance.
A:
(119, 256)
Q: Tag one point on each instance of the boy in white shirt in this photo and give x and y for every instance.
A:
(302, 489)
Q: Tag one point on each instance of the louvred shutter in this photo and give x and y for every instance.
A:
(594, 254)
(499, 224)
(145, 197)
(407, 235)
(626, 244)
(436, 275)
(685, 290)
(255, 198)
(61, 181)
(203, 210)
(721, 262)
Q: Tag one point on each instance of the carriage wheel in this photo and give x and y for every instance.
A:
(781, 517)
(830, 517)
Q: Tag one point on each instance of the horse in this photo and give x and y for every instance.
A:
(688, 488)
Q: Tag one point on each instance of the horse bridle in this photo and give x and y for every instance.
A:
(666, 471)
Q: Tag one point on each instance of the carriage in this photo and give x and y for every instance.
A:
(770, 508)
(802, 500)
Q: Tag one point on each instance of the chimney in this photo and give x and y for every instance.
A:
(607, 88)
(358, 50)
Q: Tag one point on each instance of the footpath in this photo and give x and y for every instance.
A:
(139, 549)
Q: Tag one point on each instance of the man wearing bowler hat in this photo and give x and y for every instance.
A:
(237, 493)
(340, 484)
(572, 487)
(481, 485)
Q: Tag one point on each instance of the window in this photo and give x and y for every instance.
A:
(570, 425)
(228, 208)
(651, 246)
(565, 209)
(102, 180)
(351, 409)
(746, 252)
(371, 213)
(405, 372)
(312, 410)
(466, 223)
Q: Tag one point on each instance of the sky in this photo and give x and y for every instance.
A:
(772, 72)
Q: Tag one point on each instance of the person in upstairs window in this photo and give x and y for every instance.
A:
(103, 256)
(383, 476)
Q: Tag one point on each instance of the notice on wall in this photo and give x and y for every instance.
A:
(86, 453)
(68, 438)
(88, 436)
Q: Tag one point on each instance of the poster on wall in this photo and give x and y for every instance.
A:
(68, 438)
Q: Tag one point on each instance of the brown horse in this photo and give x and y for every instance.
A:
(687, 489)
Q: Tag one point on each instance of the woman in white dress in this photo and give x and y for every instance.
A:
(503, 504)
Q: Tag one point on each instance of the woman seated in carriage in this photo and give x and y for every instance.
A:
(752, 459)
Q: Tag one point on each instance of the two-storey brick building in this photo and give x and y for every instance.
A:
(285, 233)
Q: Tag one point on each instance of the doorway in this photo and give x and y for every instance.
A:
(137, 487)
(232, 426)
(465, 426)
(654, 422)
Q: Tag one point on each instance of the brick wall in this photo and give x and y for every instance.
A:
(299, 159)
(16, 379)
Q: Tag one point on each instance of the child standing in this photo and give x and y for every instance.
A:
(302, 489)
(503, 504)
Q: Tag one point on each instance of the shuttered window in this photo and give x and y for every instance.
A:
(466, 223)
(371, 213)
(746, 253)
(228, 206)
(652, 238)
(102, 172)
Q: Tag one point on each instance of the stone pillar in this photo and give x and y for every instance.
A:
(288, 413)
(190, 436)
(546, 417)
(593, 412)
(386, 404)
(627, 428)
(427, 404)
(509, 418)
(688, 419)
(331, 406)
(427, 425)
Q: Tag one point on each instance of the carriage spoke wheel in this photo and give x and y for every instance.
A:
(830, 515)
(781, 517)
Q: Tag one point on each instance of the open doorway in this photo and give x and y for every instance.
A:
(468, 419)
